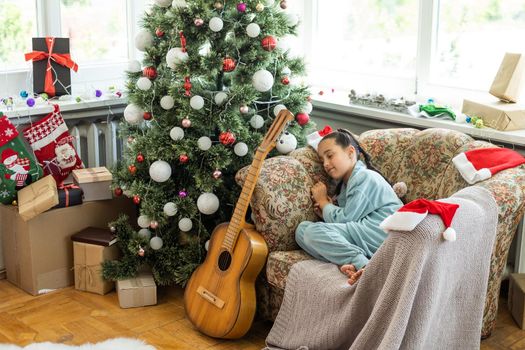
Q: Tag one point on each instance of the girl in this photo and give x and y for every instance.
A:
(350, 233)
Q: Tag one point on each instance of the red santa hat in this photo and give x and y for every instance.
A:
(6, 153)
(480, 164)
(410, 215)
(314, 138)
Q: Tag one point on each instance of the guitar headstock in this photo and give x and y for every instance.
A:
(277, 127)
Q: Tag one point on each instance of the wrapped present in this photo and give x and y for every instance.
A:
(51, 66)
(37, 198)
(69, 195)
(91, 247)
(138, 291)
(508, 81)
(95, 182)
(496, 114)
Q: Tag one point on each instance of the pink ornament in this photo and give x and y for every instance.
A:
(183, 158)
(302, 118)
(217, 174)
(154, 224)
(241, 7)
(141, 252)
(131, 139)
(186, 123)
(183, 194)
(244, 109)
(198, 22)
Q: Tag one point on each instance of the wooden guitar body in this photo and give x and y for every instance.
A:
(223, 302)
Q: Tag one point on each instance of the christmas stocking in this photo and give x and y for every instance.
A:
(53, 146)
(18, 168)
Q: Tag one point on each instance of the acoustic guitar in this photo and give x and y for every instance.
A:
(220, 296)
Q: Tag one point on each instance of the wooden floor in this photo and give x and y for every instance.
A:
(72, 317)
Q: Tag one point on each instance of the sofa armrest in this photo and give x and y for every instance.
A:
(280, 201)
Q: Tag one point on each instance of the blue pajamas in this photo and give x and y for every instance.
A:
(350, 233)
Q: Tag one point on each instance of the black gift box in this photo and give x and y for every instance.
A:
(69, 196)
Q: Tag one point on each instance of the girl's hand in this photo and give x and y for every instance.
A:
(318, 210)
(320, 193)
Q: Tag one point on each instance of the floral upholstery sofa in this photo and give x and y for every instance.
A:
(422, 159)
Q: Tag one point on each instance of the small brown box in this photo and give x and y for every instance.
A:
(507, 83)
(496, 114)
(136, 292)
(37, 198)
(516, 300)
(91, 247)
(95, 182)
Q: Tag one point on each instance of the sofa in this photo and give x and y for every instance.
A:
(421, 159)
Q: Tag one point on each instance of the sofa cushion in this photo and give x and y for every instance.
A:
(279, 264)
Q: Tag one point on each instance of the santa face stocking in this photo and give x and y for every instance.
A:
(18, 167)
(53, 146)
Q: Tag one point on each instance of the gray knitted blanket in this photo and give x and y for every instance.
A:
(417, 292)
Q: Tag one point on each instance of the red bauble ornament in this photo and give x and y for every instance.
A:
(149, 72)
(269, 43)
(184, 158)
(285, 80)
(118, 192)
(187, 86)
(136, 199)
(302, 118)
(227, 138)
(228, 64)
(132, 169)
(147, 116)
(140, 158)
(159, 33)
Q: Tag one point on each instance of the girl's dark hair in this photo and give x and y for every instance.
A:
(344, 138)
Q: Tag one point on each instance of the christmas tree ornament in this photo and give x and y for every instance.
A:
(149, 72)
(132, 169)
(160, 171)
(218, 5)
(307, 108)
(131, 139)
(262, 80)
(241, 7)
(269, 2)
(143, 221)
(113, 229)
(23, 94)
(240, 149)
(286, 71)
(98, 93)
(259, 7)
(170, 209)
(140, 158)
(154, 224)
(147, 116)
(167, 102)
(176, 133)
(302, 118)
(217, 174)
(285, 80)
(143, 40)
(269, 43)
(257, 121)
(278, 108)
(207, 245)
(253, 30)
(208, 203)
(183, 159)
(244, 109)
(285, 43)
(228, 64)
(283, 4)
(204, 143)
(14, 203)
(159, 33)
(30, 102)
(185, 224)
(163, 3)
(117, 191)
(291, 19)
(180, 4)
(220, 98)
(141, 251)
(143, 83)
(136, 199)
(134, 66)
(198, 22)
(286, 143)
(187, 86)
(197, 102)
(227, 138)
(183, 194)
(186, 123)
(156, 243)
(216, 24)
(176, 56)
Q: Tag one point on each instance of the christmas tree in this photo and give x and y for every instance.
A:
(214, 76)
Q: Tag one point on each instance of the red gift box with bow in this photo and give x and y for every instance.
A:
(51, 66)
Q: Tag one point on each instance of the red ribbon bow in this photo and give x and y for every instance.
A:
(63, 59)
(327, 129)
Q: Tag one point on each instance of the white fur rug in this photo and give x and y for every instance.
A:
(111, 344)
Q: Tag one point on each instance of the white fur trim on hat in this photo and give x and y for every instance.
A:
(468, 171)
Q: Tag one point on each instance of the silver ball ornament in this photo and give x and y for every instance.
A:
(155, 243)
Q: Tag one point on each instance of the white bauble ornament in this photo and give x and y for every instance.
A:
(176, 133)
(262, 80)
(176, 56)
(185, 224)
(207, 245)
(286, 143)
(284, 43)
(143, 221)
(167, 102)
(220, 98)
(160, 171)
(204, 143)
(253, 30)
(197, 102)
(179, 4)
(291, 19)
(277, 109)
(163, 3)
(133, 67)
(307, 108)
(170, 209)
(257, 121)
(240, 149)
(143, 40)
(286, 71)
(269, 2)
(144, 232)
(133, 114)
(155, 243)
(144, 83)
(208, 203)
(216, 24)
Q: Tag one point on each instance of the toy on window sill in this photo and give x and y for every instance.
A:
(434, 110)
(475, 121)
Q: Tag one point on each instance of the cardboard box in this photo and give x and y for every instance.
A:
(91, 247)
(95, 182)
(497, 114)
(37, 198)
(508, 81)
(516, 300)
(38, 254)
(136, 292)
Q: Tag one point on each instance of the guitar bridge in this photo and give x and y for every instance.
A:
(209, 296)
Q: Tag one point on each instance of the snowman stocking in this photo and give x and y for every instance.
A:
(18, 168)
(53, 146)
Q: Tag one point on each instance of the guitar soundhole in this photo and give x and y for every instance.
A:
(225, 260)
